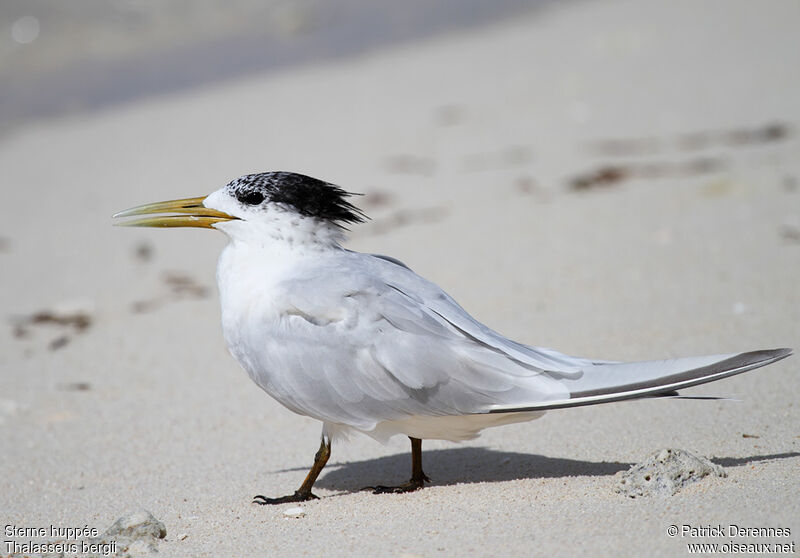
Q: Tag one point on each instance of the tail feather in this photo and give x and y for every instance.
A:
(618, 381)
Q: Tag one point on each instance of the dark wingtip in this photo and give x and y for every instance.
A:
(664, 385)
(771, 355)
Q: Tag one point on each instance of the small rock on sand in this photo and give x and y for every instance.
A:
(665, 473)
(135, 534)
(131, 536)
(137, 525)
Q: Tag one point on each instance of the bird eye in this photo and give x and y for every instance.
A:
(252, 197)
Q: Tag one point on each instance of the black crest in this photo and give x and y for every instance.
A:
(308, 196)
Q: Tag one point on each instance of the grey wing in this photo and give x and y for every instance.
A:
(588, 381)
(431, 297)
(392, 345)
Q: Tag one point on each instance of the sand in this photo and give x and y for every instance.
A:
(613, 179)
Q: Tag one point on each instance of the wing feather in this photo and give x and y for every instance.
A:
(362, 341)
(375, 338)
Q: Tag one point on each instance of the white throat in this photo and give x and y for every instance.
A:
(278, 228)
(262, 253)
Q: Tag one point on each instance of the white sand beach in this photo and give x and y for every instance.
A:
(612, 179)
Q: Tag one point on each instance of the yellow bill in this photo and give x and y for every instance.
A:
(190, 213)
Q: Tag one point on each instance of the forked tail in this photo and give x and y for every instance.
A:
(617, 381)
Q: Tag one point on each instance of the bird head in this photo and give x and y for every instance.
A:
(263, 203)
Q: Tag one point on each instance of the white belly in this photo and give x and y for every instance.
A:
(313, 354)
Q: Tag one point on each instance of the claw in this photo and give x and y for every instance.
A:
(410, 486)
(296, 497)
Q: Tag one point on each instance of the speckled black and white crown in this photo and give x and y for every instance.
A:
(308, 196)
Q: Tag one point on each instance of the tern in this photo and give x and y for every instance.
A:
(364, 344)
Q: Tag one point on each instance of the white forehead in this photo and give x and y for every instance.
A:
(223, 201)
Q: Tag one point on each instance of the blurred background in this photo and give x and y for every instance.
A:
(62, 57)
(556, 131)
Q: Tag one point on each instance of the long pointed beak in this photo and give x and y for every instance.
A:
(190, 213)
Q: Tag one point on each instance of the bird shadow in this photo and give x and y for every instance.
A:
(739, 461)
(462, 465)
(477, 464)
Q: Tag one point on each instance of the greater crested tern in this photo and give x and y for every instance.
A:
(362, 343)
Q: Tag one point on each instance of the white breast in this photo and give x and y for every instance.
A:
(248, 279)
(262, 330)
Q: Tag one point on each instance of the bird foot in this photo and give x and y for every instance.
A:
(410, 486)
(296, 497)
